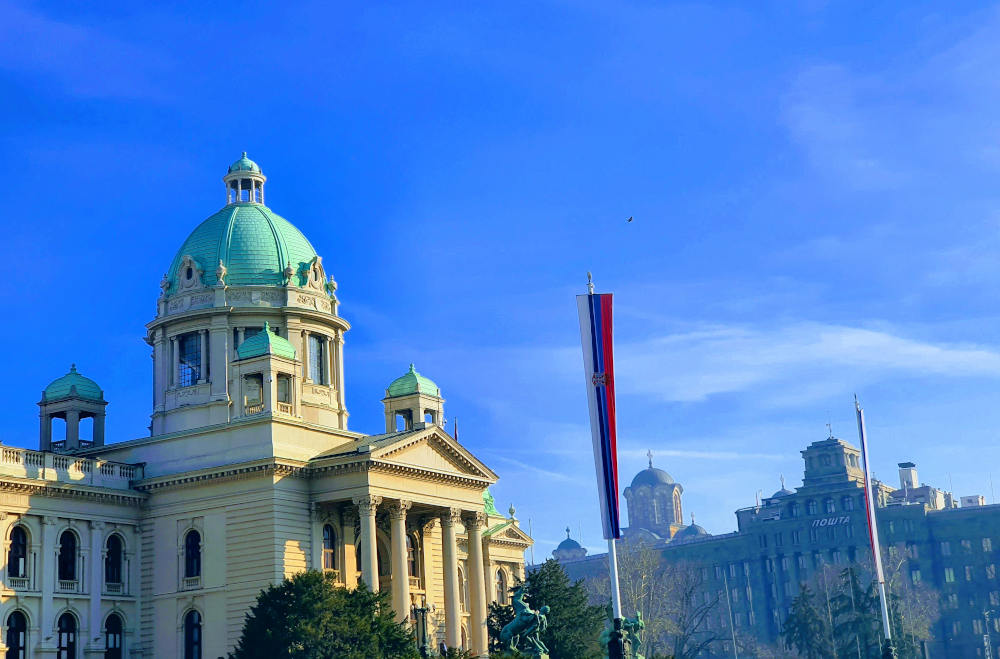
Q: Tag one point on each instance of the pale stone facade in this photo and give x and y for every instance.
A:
(249, 475)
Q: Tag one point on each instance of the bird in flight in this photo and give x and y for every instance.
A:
(629, 219)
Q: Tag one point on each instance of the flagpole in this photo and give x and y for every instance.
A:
(873, 530)
(598, 364)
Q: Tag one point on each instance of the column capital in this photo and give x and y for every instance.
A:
(96, 525)
(49, 520)
(367, 503)
(475, 520)
(451, 516)
(398, 508)
(348, 515)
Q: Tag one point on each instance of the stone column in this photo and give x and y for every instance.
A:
(175, 359)
(203, 368)
(96, 585)
(99, 420)
(400, 573)
(350, 564)
(160, 377)
(306, 375)
(72, 429)
(452, 605)
(474, 523)
(48, 560)
(317, 536)
(369, 545)
(45, 432)
(240, 334)
(339, 374)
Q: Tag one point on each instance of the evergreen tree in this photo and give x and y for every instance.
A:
(807, 628)
(574, 625)
(309, 617)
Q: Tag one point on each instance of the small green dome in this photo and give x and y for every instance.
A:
(244, 164)
(254, 243)
(411, 383)
(266, 343)
(73, 384)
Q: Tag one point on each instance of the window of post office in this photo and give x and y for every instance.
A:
(284, 388)
(945, 548)
(317, 359)
(812, 507)
(189, 368)
(67, 556)
(828, 506)
(847, 504)
(987, 544)
(17, 556)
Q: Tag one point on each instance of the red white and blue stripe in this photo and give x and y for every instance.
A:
(599, 369)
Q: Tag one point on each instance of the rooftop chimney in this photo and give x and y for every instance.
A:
(908, 476)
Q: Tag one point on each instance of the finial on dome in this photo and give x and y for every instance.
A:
(412, 369)
(511, 511)
(692, 519)
(244, 182)
(72, 368)
(567, 533)
(649, 454)
(781, 477)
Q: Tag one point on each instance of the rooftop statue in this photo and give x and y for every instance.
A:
(520, 637)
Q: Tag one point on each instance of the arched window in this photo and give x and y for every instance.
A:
(329, 548)
(463, 592)
(17, 557)
(192, 554)
(67, 557)
(113, 637)
(67, 637)
(113, 560)
(828, 506)
(412, 561)
(501, 587)
(811, 507)
(192, 635)
(17, 636)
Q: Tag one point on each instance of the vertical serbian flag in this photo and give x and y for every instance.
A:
(599, 370)
(869, 497)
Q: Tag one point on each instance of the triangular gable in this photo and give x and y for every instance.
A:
(436, 450)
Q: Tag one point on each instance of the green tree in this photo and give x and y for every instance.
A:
(574, 625)
(499, 616)
(309, 617)
(808, 628)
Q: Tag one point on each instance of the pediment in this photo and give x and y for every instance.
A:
(435, 450)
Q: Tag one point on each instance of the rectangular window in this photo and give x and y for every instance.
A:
(968, 573)
(994, 598)
(949, 575)
(837, 558)
(952, 601)
(189, 370)
(796, 537)
(704, 574)
(284, 389)
(987, 544)
(911, 550)
(770, 566)
(813, 535)
(801, 561)
(956, 627)
(317, 359)
(777, 540)
(966, 545)
(253, 393)
(945, 548)
(718, 572)
(915, 576)
(849, 531)
(762, 540)
(991, 571)
(977, 626)
(831, 533)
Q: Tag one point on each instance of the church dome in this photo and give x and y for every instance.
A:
(568, 543)
(412, 382)
(652, 477)
(691, 532)
(783, 492)
(73, 384)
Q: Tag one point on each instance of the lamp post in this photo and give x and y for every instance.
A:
(420, 615)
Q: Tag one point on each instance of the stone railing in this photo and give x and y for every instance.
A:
(18, 583)
(114, 588)
(253, 408)
(25, 463)
(415, 583)
(285, 408)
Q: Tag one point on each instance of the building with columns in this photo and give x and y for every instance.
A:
(158, 546)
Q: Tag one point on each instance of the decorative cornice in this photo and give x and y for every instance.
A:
(224, 474)
(60, 490)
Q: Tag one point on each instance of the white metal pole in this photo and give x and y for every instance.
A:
(872, 524)
(616, 597)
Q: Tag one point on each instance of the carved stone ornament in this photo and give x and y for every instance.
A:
(452, 517)
(189, 275)
(164, 285)
(367, 504)
(397, 509)
(289, 273)
(475, 520)
(315, 275)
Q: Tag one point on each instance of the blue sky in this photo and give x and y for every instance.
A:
(814, 186)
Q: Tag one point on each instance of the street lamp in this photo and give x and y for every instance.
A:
(420, 616)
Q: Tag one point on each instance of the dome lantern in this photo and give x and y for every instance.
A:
(244, 182)
(72, 397)
(411, 399)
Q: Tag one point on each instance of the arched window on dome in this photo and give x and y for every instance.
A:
(678, 515)
(317, 359)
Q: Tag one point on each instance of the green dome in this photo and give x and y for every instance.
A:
(253, 243)
(411, 383)
(244, 164)
(266, 343)
(73, 384)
